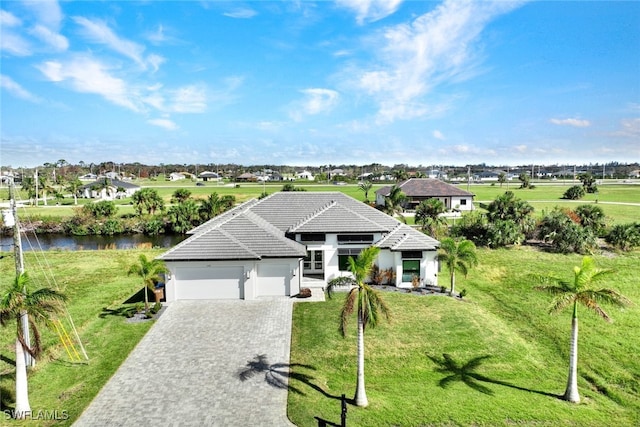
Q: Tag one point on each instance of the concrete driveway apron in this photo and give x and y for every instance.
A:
(199, 366)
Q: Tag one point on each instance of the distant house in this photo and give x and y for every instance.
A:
(108, 189)
(175, 176)
(209, 176)
(247, 177)
(273, 246)
(305, 175)
(88, 177)
(419, 189)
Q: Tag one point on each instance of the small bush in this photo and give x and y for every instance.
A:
(463, 293)
(574, 193)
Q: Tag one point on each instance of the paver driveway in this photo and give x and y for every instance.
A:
(186, 370)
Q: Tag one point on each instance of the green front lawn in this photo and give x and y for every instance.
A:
(502, 323)
(95, 282)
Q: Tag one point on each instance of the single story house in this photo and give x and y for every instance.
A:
(247, 176)
(209, 176)
(419, 189)
(108, 189)
(269, 247)
(305, 175)
(176, 176)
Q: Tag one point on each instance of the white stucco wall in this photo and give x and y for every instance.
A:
(456, 203)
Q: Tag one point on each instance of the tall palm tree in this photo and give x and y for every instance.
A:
(73, 186)
(369, 307)
(147, 270)
(580, 290)
(39, 307)
(457, 256)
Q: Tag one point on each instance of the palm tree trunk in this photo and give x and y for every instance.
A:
(571, 394)
(146, 297)
(361, 395)
(22, 389)
(453, 283)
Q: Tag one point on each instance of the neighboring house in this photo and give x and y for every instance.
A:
(113, 190)
(209, 176)
(247, 176)
(419, 189)
(175, 176)
(88, 177)
(267, 247)
(305, 175)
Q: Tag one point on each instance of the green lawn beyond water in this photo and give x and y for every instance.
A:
(521, 354)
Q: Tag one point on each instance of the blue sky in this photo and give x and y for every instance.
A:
(313, 83)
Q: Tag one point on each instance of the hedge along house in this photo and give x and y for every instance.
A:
(268, 247)
(419, 189)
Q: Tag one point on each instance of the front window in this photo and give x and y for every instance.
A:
(343, 257)
(410, 268)
(346, 239)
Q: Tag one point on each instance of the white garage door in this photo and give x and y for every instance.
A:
(273, 279)
(209, 283)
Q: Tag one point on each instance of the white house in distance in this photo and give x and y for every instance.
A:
(305, 175)
(108, 189)
(268, 247)
(419, 189)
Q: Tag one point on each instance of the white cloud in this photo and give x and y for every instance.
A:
(8, 84)
(629, 128)
(438, 135)
(435, 48)
(370, 10)
(90, 76)
(98, 32)
(55, 40)
(189, 99)
(7, 19)
(316, 101)
(163, 123)
(579, 123)
(47, 12)
(244, 13)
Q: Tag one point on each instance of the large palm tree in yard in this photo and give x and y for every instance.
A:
(148, 271)
(394, 201)
(581, 290)
(457, 256)
(39, 307)
(369, 307)
(428, 215)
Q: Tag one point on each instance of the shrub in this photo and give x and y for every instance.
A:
(624, 236)
(564, 235)
(574, 193)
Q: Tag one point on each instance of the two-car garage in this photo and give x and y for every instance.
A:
(190, 281)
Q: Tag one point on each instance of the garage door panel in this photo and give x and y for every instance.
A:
(273, 280)
(209, 283)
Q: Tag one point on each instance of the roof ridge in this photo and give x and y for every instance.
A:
(242, 245)
(389, 234)
(224, 217)
(403, 239)
(314, 214)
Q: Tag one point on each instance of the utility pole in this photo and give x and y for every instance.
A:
(19, 259)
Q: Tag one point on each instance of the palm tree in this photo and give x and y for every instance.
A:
(148, 271)
(581, 290)
(428, 215)
(20, 301)
(394, 201)
(365, 187)
(369, 307)
(73, 186)
(457, 256)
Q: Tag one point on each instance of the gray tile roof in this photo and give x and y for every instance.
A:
(426, 187)
(258, 228)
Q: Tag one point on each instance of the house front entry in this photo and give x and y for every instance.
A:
(314, 263)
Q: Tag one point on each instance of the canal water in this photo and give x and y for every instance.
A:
(45, 242)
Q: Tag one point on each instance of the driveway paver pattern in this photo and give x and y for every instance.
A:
(186, 369)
